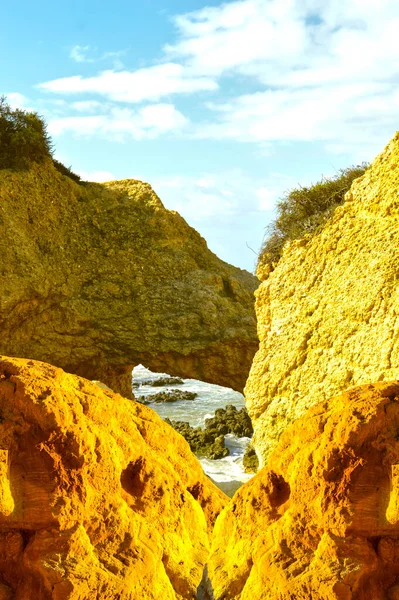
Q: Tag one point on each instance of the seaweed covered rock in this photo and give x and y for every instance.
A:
(167, 396)
(99, 498)
(250, 459)
(321, 520)
(328, 313)
(204, 443)
(230, 420)
(99, 278)
(160, 382)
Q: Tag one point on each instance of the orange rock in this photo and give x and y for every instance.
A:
(321, 520)
(99, 498)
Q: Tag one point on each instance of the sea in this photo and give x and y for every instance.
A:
(227, 473)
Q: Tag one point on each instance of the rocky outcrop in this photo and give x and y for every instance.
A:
(167, 396)
(209, 442)
(99, 498)
(321, 520)
(202, 442)
(328, 314)
(230, 420)
(97, 278)
(160, 382)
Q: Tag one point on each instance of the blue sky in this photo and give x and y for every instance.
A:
(220, 106)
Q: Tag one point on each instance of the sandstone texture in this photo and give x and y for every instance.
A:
(328, 315)
(321, 520)
(99, 498)
(98, 278)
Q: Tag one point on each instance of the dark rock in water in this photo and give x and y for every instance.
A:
(202, 442)
(250, 460)
(230, 420)
(168, 396)
(161, 381)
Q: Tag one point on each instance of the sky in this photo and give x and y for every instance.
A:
(221, 106)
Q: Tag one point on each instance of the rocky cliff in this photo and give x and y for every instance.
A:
(328, 315)
(99, 498)
(321, 520)
(98, 278)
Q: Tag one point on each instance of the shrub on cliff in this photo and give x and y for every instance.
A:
(66, 171)
(303, 210)
(23, 138)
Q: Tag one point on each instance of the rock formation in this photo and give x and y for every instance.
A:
(167, 396)
(97, 278)
(99, 498)
(321, 520)
(328, 314)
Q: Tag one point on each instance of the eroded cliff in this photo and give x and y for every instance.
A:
(98, 278)
(99, 498)
(328, 315)
(321, 520)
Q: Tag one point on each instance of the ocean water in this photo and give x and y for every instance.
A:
(228, 473)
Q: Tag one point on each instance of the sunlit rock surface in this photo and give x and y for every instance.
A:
(328, 315)
(98, 278)
(321, 521)
(99, 498)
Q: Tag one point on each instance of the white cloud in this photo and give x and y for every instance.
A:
(151, 83)
(229, 193)
(79, 54)
(326, 71)
(86, 105)
(119, 124)
(17, 100)
(99, 176)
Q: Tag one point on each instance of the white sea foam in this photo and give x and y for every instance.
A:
(227, 472)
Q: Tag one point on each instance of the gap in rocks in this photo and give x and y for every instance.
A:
(228, 472)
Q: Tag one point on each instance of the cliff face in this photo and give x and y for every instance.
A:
(328, 314)
(99, 498)
(98, 278)
(322, 519)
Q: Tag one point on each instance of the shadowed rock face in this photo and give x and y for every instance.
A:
(98, 278)
(328, 314)
(321, 520)
(99, 498)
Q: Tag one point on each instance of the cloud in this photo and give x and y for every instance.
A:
(119, 124)
(215, 195)
(79, 54)
(325, 71)
(86, 105)
(151, 83)
(17, 100)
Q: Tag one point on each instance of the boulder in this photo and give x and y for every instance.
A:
(328, 313)
(98, 278)
(321, 520)
(99, 498)
(250, 460)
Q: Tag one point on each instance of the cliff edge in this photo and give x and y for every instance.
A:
(98, 278)
(321, 520)
(328, 314)
(99, 498)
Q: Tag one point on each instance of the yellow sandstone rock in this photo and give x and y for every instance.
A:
(321, 520)
(99, 498)
(98, 278)
(328, 315)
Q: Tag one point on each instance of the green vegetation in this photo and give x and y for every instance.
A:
(66, 171)
(304, 210)
(24, 140)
